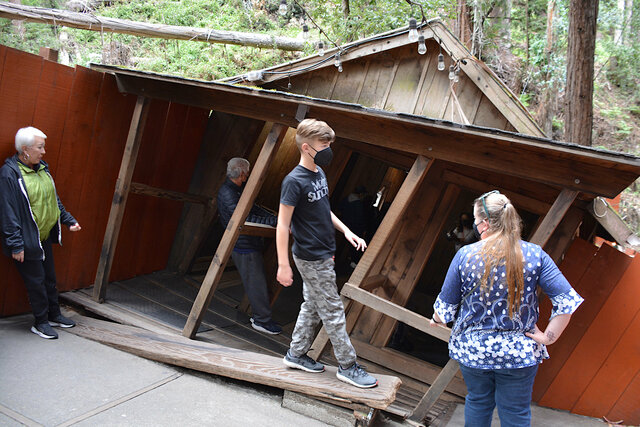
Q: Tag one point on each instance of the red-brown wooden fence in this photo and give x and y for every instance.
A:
(594, 368)
(86, 121)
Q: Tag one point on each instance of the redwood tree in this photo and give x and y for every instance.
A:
(583, 16)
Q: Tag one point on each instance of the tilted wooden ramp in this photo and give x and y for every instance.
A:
(230, 362)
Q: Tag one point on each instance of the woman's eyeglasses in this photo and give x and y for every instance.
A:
(484, 196)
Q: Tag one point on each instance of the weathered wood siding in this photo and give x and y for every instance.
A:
(400, 80)
(86, 121)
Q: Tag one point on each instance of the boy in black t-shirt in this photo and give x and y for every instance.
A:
(305, 209)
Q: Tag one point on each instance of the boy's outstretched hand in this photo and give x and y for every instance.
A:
(356, 241)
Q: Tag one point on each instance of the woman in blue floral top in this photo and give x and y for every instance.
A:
(490, 292)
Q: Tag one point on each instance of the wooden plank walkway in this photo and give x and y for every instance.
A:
(233, 363)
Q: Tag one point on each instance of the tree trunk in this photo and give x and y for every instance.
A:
(463, 23)
(345, 8)
(617, 35)
(476, 38)
(583, 15)
(526, 25)
(546, 111)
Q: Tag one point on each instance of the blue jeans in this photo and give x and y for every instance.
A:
(509, 389)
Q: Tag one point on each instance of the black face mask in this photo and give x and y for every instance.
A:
(323, 157)
(476, 232)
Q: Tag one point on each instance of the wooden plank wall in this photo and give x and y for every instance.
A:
(400, 80)
(594, 368)
(86, 120)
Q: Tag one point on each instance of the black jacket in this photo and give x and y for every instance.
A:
(18, 229)
(228, 197)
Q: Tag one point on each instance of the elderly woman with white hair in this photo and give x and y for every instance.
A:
(31, 215)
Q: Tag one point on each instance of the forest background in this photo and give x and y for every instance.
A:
(523, 41)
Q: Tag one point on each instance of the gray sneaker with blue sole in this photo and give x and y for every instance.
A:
(303, 362)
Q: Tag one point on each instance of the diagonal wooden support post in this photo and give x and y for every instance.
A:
(219, 261)
(391, 220)
(434, 392)
(551, 220)
(120, 195)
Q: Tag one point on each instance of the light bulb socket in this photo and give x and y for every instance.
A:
(413, 30)
(252, 76)
(282, 9)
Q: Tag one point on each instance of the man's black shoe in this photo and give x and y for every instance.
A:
(45, 331)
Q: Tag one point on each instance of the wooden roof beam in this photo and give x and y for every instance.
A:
(525, 202)
(556, 164)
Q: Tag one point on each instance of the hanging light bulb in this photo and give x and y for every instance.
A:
(456, 75)
(320, 48)
(282, 10)
(413, 30)
(337, 61)
(422, 47)
(340, 68)
(440, 62)
(452, 74)
(305, 32)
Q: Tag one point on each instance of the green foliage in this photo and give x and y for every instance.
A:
(214, 61)
(28, 36)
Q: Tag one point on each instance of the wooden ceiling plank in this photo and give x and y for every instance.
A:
(525, 202)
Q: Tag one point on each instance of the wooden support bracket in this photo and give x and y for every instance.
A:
(395, 311)
(393, 217)
(178, 196)
(434, 392)
(219, 261)
(120, 195)
(554, 216)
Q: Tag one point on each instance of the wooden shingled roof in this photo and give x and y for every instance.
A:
(585, 169)
(386, 72)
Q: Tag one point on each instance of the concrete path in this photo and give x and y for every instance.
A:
(75, 381)
(540, 417)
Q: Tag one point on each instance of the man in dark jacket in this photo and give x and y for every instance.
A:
(247, 253)
(31, 215)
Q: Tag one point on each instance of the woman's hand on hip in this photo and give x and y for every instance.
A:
(75, 227)
(540, 337)
(18, 257)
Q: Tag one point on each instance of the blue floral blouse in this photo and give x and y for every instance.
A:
(483, 335)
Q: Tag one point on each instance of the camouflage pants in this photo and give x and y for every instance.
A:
(321, 302)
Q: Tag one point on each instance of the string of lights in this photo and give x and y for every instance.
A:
(414, 31)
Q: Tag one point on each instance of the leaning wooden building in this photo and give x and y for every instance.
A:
(141, 157)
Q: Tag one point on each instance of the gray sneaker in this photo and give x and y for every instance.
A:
(357, 376)
(303, 362)
(44, 330)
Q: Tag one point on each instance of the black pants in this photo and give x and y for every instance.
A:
(40, 280)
